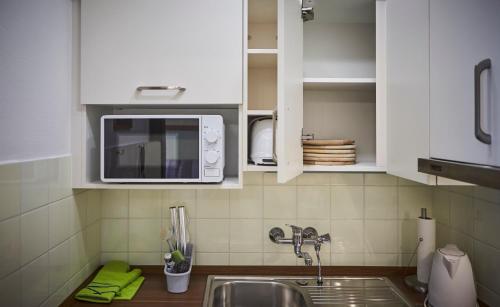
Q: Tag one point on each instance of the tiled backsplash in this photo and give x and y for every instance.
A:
(52, 238)
(49, 234)
(371, 218)
(470, 217)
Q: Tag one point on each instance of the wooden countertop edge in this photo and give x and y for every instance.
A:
(290, 270)
(154, 293)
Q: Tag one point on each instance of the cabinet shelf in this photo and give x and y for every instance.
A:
(260, 112)
(369, 167)
(358, 84)
(262, 51)
(362, 167)
(261, 168)
(228, 183)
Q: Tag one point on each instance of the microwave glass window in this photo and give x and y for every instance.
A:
(182, 148)
(151, 148)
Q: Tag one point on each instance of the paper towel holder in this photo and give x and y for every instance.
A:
(412, 280)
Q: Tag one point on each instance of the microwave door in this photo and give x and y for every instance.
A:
(182, 149)
(133, 149)
(138, 161)
(152, 163)
(124, 161)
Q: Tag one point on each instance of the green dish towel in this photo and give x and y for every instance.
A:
(113, 281)
(128, 293)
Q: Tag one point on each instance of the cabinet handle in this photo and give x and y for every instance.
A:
(274, 119)
(161, 88)
(481, 135)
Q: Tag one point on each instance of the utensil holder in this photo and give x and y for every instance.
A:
(179, 282)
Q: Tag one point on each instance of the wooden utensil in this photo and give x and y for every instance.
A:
(330, 151)
(329, 146)
(327, 163)
(330, 159)
(329, 155)
(328, 142)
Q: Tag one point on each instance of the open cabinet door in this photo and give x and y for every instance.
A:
(290, 90)
(407, 88)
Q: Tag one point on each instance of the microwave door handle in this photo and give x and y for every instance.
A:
(481, 135)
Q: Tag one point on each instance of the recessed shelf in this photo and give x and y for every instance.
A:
(361, 167)
(260, 112)
(262, 51)
(369, 167)
(363, 84)
(262, 60)
(262, 88)
(261, 168)
(227, 183)
(262, 11)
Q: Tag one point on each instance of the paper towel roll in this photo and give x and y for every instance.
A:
(426, 233)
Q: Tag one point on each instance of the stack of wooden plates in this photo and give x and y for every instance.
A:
(329, 152)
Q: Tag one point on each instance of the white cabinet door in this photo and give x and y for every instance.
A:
(194, 44)
(462, 34)
(290, 90)
(407, 88)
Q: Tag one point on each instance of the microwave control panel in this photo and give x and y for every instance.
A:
(212, 166)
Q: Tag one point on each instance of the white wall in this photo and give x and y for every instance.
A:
(35, 78)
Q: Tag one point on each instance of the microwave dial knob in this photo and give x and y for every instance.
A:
(211, 136)
(212, 156)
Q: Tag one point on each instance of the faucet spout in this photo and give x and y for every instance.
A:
(307, 258)
(307, 236)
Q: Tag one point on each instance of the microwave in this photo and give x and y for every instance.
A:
(162, 148)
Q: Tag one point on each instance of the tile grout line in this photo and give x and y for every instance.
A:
(128, 226)
(261, 187)
(229, 231)
(488, 288)
(398, 200)
(364, 220)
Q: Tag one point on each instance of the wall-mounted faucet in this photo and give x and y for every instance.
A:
(308, 236)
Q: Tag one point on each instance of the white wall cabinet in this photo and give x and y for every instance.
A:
(394, 75)
(193, 44)
(323, 78)
(463, 34)
(129, 43)
(432, 48)
(408, 88)
(290, 99)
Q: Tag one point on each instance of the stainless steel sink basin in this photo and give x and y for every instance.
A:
(275, 291)
(243, 293)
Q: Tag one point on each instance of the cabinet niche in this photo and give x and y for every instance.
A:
(86, 172)
(339, 78)
(262, 55)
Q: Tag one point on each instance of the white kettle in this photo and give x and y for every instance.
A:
(261, 145)
(451, 283)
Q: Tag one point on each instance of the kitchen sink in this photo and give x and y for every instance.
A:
(243, 293)
(284, 291)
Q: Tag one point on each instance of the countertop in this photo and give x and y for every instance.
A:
(153, 291)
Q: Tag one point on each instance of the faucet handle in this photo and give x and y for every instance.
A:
(295, 229)
(276, 234)
(324, 238)
(310, 233)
